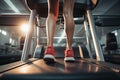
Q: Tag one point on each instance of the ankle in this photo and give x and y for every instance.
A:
(68, 47)
(50, 47)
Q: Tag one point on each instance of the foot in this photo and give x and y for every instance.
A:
(49, 55)
(69, 55)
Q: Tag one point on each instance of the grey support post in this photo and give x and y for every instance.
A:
(98, 50)
(33, 41)
(38, 30)
(87, 37)
(38, 49)
(28, 38)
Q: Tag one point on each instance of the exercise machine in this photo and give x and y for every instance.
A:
(84, 68)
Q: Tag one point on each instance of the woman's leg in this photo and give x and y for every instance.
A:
(53, 6)
(68, 7)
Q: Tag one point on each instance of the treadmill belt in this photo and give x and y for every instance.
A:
(60, 70)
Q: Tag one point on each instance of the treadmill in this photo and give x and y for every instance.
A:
(84, 67)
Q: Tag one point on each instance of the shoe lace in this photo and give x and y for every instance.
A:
(69, 53)
(50, 50)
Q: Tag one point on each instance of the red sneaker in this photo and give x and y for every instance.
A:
(49, 55)
(69, 55)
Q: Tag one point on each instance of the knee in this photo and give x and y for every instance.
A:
(68, 15)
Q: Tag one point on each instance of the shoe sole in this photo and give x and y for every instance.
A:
(69, 59)
(49, 58)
